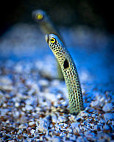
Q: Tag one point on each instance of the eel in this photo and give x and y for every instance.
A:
(69, 72)
(47, 27)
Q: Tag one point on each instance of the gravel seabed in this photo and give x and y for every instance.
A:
(34, 107)
(34, 103)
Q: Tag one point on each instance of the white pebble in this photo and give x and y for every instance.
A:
(65, 103)
(31, 123)
(16, 114)
(16, 104)
(59, 96)
(44, 82)
(55, 82)
(4, 105)
(32, 131)
(56, 139)
(18, 68)
(95, 104)
(28, 107)
(54, 118)
(61, 119)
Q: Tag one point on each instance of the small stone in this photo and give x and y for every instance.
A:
(72, 117)
(103, 137)
(16, 114)
(69, 130)
(62, 134)
(80, 139)
(44, 82)
(95, 104)
(84, 113)
(95, 127)
(75, 126)
(93, 115)
(31, 123)
(30, 101)
(102, 121)
(51, 96)
(6, 87)
(108, 116)
(22, 126)
(61, 119)
(4, 105)
(54, 118)
(18, 68)
(106, 127)
(28, 107)
(90, 136)
(5, 80)
(55, 82)
(59, 96)
(32, 131)
(65, 103)
(56, 139)
(16, 104)
(107, 107)
(43, 125)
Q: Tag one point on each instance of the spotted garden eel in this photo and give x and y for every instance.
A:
(69, 71)
(47, 27)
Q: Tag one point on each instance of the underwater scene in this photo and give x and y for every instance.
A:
(56, 82)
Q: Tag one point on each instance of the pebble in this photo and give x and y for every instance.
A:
(61, 119)
(32, 131)
(106, 127)
(31, 123)
(84, 113)
(16, 114)
(5, 80)
(56, 139)
(31, 113)
(107, 107)
(103, 137)
(44, 82)
(95, 104)
(80, 139)
(54, 118)
(64, 103)
(75, 127)
(90, 136)
(28, 107)
(108, 116)
(16, 104)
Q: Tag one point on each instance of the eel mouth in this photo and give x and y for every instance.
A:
(47, 38)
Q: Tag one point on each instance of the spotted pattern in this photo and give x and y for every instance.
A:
(70, 74)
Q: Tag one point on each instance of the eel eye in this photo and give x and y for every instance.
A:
(53, 40)
(39, 16)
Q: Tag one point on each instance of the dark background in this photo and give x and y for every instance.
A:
(92, 45)
(95, 14)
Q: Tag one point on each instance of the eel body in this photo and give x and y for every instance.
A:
(69, 71)
(47, 27)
